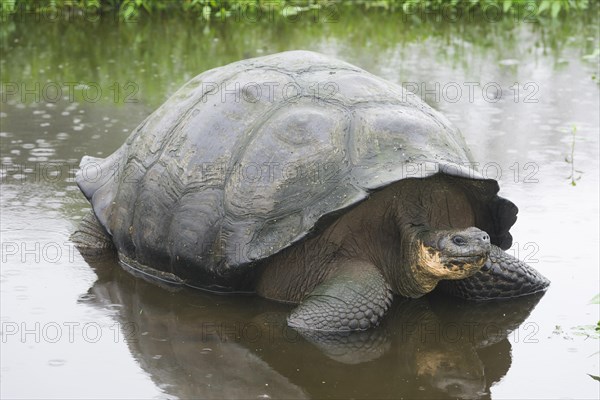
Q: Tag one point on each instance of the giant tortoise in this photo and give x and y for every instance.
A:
(307, 180)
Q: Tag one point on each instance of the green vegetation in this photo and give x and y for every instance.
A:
(147, 58)
(222, 9)
(571, 160)
(591, 330)
(588, 331)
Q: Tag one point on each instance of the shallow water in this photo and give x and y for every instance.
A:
(75, 329)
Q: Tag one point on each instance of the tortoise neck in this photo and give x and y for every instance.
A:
(409, 278)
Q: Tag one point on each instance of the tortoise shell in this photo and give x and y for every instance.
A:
(247, 159)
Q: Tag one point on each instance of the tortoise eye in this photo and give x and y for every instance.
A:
(459, 240)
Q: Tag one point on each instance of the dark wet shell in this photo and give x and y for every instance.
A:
(246, 159)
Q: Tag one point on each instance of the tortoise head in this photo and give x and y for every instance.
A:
(454, 253)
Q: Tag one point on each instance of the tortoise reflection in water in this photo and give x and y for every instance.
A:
(197, 345)
(339, 242)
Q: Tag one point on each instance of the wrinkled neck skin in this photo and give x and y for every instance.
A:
(411, 278)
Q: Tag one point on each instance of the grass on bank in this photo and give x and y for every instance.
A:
(207, 9)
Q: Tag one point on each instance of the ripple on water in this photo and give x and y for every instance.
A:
(56, 362)
(508, 62)
(547, 259)
(42, 152)
(38, 310)
(86, 297)
(72, 107)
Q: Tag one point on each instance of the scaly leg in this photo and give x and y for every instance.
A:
(355, 297)
(503, 276)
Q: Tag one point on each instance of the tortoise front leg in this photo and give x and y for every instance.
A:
(502, 276)
(355, 297)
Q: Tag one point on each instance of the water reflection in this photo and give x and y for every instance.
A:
(148, 59)
(198, 345)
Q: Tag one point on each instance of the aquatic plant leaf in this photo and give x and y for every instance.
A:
(543, 6)
(206, 10)
(589, 331)
(556, 6)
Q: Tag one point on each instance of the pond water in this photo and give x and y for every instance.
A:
(525, 96)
